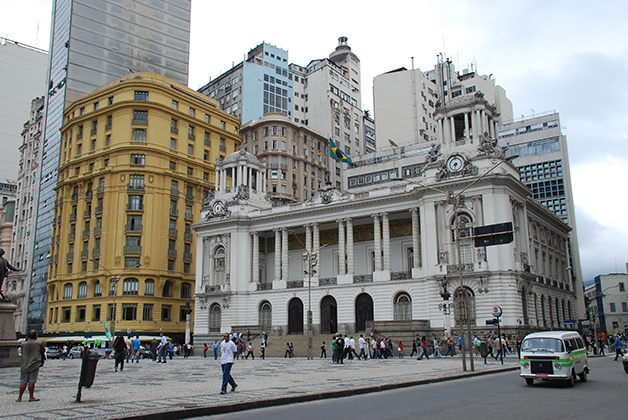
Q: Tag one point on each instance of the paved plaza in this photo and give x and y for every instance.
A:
(190, 387)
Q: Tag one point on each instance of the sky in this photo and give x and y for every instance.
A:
(568, 56)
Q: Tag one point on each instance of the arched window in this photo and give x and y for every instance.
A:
(97, 289)
(219, 266)
(214, 318)
(265, 315)
(149, 287)
(402, 307)
(465, 235)
(82, 291)
(464, 304)
(186, 291)
(67, 291)
(167, 290)
(130, 286)
(139, 135)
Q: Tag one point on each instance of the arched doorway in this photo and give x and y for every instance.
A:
(265, 316)
(363, 311)
(295, 316)
(329, 315)
(464, 306)
(215, 317)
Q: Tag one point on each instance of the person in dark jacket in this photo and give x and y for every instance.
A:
(120, 349)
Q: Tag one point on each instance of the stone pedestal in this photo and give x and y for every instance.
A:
(9, 346)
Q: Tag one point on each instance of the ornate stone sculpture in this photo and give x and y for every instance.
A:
(433, 154)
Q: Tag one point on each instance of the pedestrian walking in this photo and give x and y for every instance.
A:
(436, 345)
(250, 352)
(262, 349)
(618, 347)
(162, 349)
(215, 347)
(400, 350)
(120, 351)
(228, 351)
(137, 344)
(323, 351)
(33, 357)
(450, 347)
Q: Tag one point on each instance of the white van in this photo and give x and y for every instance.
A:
(554, 355)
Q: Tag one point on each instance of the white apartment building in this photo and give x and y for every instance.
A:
(608, 303)
(405, 103)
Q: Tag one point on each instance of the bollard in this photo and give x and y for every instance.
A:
(484, 351)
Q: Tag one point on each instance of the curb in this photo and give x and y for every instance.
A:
(195, 411)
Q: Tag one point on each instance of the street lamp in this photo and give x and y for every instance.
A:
(311, 257)
(114, 282)
(445, 306)
(457, 200)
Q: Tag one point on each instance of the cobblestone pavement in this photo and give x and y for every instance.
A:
(190, 387)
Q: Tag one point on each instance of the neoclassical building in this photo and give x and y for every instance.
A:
(398, 237)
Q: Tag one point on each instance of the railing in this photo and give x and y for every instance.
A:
(95, 252)
(71, 237)
(330, 281)
(172, 233)
(400, 275)
(132, 249)
(264, 286)
(297, 284)
(97, 231)
(137, 228)
(172, 253)
(187, 256)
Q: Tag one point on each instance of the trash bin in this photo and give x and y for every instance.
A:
(484, 351)
(88, 370)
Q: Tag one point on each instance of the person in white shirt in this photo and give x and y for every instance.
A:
(361, 346)
(228, 351)
(161, 349)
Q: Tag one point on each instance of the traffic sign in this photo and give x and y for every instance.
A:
(497, 311)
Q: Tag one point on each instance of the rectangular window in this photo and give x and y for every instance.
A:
(190, 149)
(207, 118)
(147, 312)
(192, 112)
(172, 166)
(96, 313)
(624, 307)
(175, 105)
(140, 117)
(206, 140)
(66, 314)
(80, 313)
(223, 148)
(138, 159)
(135, 202)
(141, 95)
(129, 311)
(173, 143)
(166, 313)
(622, 288)
(613, 307)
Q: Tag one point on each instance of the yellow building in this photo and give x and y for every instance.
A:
(137, 159)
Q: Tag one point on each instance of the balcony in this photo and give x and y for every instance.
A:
(93, 132)
(74, 198)
(189, 198)
(264, 286)
(172, 253)
(97, 231)
(132, 249)
(100, 190)
(87, 214)
(139, 121)
(187, 256)
(107, 127)
(98, 210)
(364, 278)
(187, 236)
(131, 187)
(71, 237)
(192, 137)
(88, 194)
(174, 130)
(96, 252)
(69, 256)
(174, 213)
(133, 228)
(297, 284)
(84, 255)
(189, 217)
(172, 233)
(72, 217)
(174, 193)
(85, 234)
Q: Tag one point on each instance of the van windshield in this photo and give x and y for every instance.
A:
(543, 345)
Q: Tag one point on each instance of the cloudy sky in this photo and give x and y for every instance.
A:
(569, 56)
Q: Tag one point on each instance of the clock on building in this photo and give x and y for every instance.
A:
(455, 163)
(218, 208)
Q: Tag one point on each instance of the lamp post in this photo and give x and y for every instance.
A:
(462, 311)
(114, 282)
(187, 309)
(445, 306)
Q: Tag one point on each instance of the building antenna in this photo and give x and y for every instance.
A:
(416, 128)
(444, 51)
(458, 59)
(37, 34)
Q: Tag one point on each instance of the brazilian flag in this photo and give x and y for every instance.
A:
(107, 332)
(338, 154)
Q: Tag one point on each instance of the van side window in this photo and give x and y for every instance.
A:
(580, 343)
(571, 344)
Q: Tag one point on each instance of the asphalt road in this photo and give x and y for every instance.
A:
(497, 396)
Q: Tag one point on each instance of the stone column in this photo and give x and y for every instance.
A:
(277, 255)
(386, 241)
(452, 126)
(350, 261)
(217, 182)
(316, 245)
(467, 135)
(342, 265)
(441, 134)
(284, 254)
(255, 274)
(377, 242)
(308, 238)
(416, 238)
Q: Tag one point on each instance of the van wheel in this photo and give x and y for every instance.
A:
(572, 379)
(583, 376)
(530, 381)
(71, 356)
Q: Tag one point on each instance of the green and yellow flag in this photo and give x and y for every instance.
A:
(338, 154)
(107, 332)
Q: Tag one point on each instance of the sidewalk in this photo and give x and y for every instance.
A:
(184, 388)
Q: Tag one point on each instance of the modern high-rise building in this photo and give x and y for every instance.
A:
(325, 95)
(94, 43)
(405, 104)
(23, 70)
(138, 158)
(297, 156)
(543, 163)
(260, 84)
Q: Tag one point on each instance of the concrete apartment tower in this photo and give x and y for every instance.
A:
(23, 70)
(94, 43)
